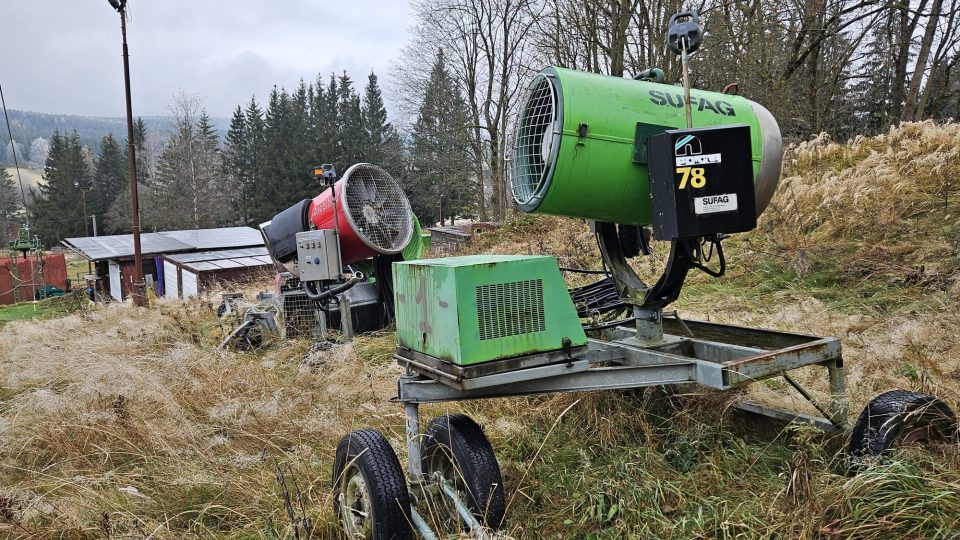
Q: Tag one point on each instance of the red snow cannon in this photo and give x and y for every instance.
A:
(372, 212)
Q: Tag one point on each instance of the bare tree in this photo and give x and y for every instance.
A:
(485, 42)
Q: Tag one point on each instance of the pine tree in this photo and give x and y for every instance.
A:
(322, 129)
(9, 202)
(439, 154)
(272, 191)
(56, 208)
(139, 143)
(109, 180)
(350, 123)
(190, 192)
(256, 148)
(331, 119)
(376, 128)
(382, 144)
(299, 150)
(237, 164)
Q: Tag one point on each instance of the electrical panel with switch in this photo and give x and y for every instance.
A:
(317, 255)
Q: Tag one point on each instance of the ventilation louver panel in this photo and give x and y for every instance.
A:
(510, 309)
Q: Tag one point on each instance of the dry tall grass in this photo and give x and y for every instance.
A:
(128, 423)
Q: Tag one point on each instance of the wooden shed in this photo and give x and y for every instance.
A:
(189, 274)
(447, 239)
(114, 260)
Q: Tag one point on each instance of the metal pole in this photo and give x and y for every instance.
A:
(838, 392)
(414, 464)
(94, 219)
(86, 227)
(686, 83)
(83, 201)
(139, 298)
(346, 317)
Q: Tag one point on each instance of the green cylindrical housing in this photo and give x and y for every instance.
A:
(579, 146)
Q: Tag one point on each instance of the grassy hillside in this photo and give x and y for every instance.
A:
(31, 179)
(129, 423)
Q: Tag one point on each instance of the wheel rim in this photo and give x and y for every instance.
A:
(356, 509)
(926, 425)
(922, 434)
(442, 464)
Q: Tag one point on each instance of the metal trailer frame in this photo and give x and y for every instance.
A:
(713, 355)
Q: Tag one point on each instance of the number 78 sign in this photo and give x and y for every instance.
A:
(695, 176)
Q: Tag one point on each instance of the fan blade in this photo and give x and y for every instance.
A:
(369, 187)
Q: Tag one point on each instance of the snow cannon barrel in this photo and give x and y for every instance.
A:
(580, 143)
(372, 213)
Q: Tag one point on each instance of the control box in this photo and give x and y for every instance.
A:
(701, 182)
(317, 256)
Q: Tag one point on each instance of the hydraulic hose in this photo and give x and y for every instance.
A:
(323, 295)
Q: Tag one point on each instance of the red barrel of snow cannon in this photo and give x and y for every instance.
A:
(372, 213)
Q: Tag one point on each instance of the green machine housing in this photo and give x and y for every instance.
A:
(481, 308)
(580, 145)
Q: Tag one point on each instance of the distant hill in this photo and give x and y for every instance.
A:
(27, 126)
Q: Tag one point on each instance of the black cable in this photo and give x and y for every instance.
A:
(13, 147)
(328, 293)
(383, 272)
(584, 271)
(610, 324)
(723, 262)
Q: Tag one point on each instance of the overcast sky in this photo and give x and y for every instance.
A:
(63, 56)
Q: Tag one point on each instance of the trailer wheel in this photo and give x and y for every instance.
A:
(900, 418)
(455, 446)
(370, 494)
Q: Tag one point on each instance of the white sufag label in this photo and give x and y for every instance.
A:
(712, 204)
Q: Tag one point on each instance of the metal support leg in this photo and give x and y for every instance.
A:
(836, 413)
(476, 529)
(838, 392)
(421, 525)
(346, 318)
(412, 411)
(649, 326)
(320, 325)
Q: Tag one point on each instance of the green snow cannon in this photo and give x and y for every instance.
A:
(580, 145)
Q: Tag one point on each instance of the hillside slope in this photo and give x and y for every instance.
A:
(125, 422)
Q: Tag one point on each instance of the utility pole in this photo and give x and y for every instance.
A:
(83, 203)
(139, 298)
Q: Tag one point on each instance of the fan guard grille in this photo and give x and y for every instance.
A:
(378, 209)
(535, 140)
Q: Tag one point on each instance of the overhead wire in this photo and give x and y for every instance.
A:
(13, 148)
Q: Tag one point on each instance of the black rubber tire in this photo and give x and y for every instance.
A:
(890, 416)
(380, 469)
(458, 438)
(221, 310)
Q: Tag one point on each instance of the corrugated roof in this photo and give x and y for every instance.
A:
(220, 254)
(227, 237)
(225, 259)
(120, 246)
(453, 231)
